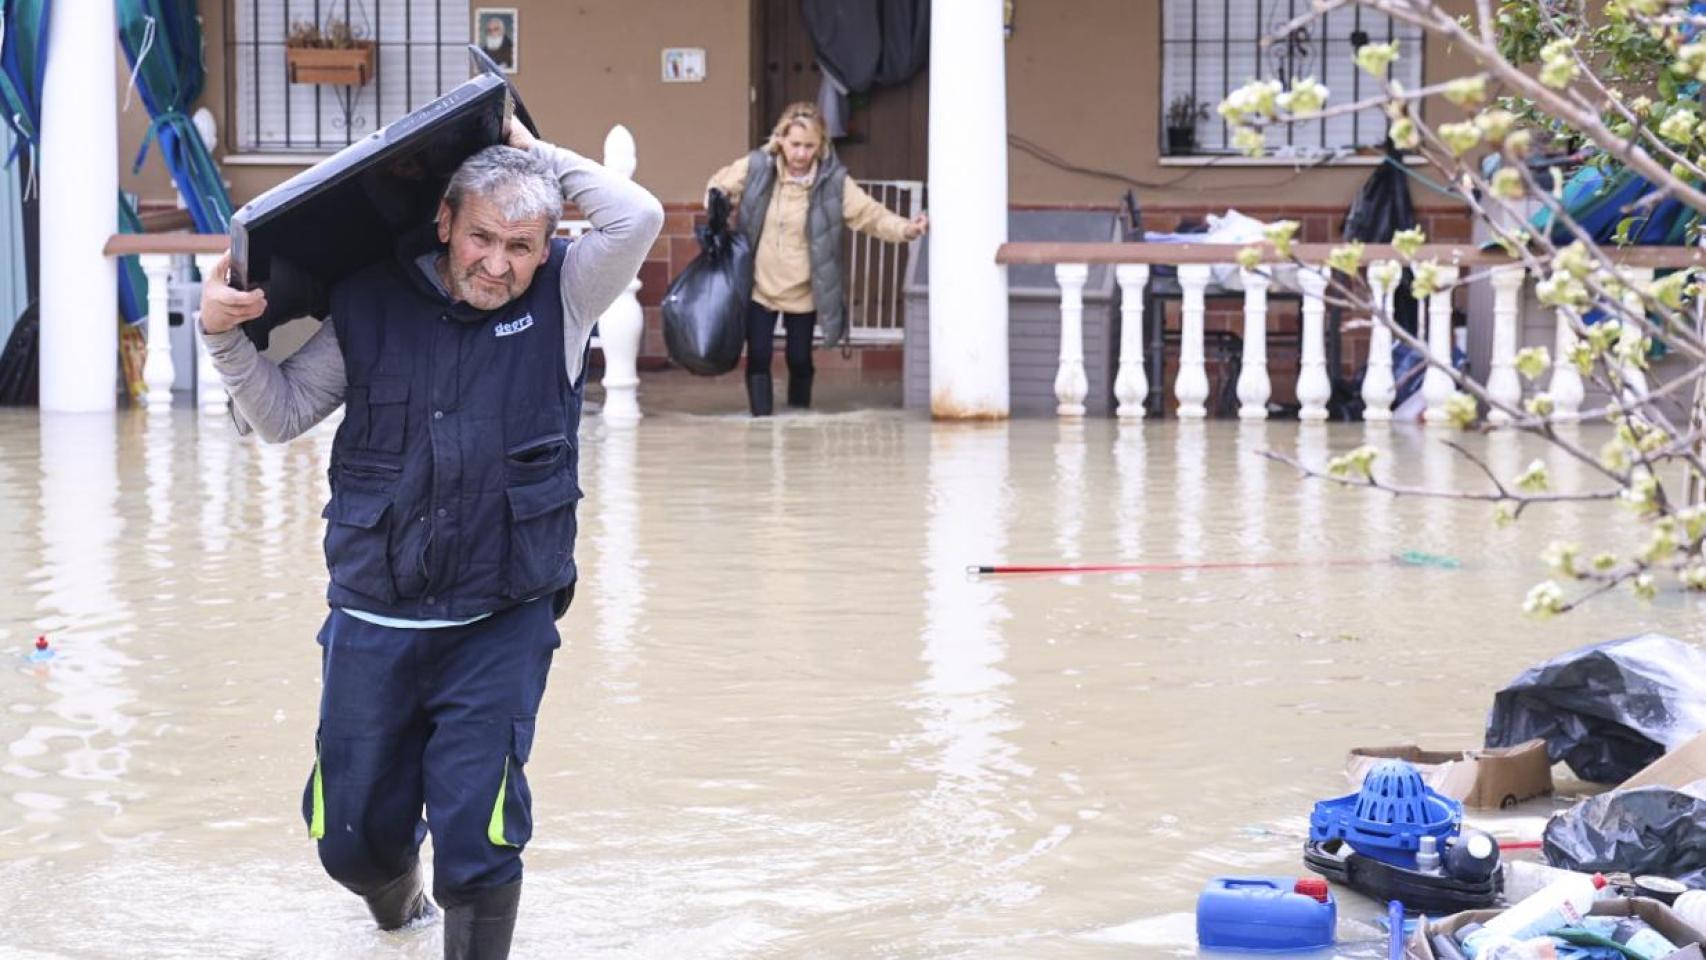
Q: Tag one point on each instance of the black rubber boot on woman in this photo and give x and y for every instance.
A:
(760, 395)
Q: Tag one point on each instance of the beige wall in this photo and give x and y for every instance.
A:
(1083, 81)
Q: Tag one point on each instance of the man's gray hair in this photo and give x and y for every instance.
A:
(517, 182)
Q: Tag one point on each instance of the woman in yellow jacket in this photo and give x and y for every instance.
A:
(794, 199)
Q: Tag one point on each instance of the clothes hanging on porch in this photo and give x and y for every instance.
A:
(869, 43)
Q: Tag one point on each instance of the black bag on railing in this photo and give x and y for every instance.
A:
(704, 312)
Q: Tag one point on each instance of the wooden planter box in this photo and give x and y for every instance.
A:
(350, 67)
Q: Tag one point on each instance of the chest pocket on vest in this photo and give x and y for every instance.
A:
(542, 494)
(387, 407)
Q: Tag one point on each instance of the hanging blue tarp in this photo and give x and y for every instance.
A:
(162, 42)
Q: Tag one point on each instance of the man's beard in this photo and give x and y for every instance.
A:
(482, 296)
(494, 41)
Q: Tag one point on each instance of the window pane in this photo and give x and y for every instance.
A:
(418, 54)
(1212, 46)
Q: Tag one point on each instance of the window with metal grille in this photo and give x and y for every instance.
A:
(1212, 47)
(419, 52)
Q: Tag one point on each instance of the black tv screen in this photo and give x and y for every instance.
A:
(351, 209)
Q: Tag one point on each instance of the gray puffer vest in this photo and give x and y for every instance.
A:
(824, 228)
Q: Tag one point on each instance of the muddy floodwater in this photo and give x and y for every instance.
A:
(784, 722)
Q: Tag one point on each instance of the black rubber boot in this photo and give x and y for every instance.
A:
(760, 394)
(401, 902)
(480, 929)
(800, 390)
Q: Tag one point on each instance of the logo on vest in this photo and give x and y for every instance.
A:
(514, 326)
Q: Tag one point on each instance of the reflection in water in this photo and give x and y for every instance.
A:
(1131, 464)
(83, 613)
(1069, 456)
(1313, 450)
(213, 453)
(617, 577)
(1190, 471)
(963, 711)
(1439, 473)
(1253, 486)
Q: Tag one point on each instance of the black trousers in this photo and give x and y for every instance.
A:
(761, 347)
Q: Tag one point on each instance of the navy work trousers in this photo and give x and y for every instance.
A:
(440, 718)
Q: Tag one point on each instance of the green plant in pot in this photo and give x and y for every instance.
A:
(1183, 115)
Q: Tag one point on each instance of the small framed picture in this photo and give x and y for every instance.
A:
(495, 32)
(684, 65)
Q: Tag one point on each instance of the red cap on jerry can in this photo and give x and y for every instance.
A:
(1311, 887)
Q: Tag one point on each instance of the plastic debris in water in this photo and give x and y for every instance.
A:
(1416, 558)
(42, 651)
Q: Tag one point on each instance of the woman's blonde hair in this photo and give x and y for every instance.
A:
(804, 113)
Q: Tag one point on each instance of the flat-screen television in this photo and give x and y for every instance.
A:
(351, 209)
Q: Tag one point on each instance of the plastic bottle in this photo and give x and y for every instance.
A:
(1642, 939)
(1561, 903)
(1525, 878)
(1691, 907)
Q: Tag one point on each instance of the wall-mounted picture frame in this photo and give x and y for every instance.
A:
(496, 31)
(684, 65)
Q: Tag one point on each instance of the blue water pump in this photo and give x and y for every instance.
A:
(1389, 816)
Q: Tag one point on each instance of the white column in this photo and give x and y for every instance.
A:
(210, 392)
(1378, 390)
(620, 326)
(1313, 387)
(1566, 385)
(1131, 384)
(1437, 386)
(1070, 384)
(1633, 278)
(79, 192)
(158, 371)
(1191, 388)
(1253, 386)
(968, 216)
(1502, 382)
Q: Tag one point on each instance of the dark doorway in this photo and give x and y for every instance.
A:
(888, 127)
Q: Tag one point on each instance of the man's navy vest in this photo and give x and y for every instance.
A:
(455, 472)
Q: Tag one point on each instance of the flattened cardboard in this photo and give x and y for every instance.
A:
(1676, 769)
(1659, 916)
(1489, 778)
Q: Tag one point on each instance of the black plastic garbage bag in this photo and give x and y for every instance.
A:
(1646, 830)
(1382, 207)
(1608, 709)
(704, 311)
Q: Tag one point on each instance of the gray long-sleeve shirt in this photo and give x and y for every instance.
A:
(281, 401)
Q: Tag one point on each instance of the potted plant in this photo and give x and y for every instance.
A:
(331, 54)
(1183, 115)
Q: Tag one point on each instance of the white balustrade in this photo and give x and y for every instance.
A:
(1191, 387)
(1313, 387)
(1378, 390)
(1071, 386)
(1633, 279)
(1131, 385)
(621, 326)
(1502, 383)
(1253, 386)
(1437, 385)
(210, 392)
(1565, 387)
(158, 372)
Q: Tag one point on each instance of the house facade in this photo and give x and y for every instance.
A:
(1089, 84)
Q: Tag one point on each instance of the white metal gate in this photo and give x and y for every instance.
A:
(876, 271)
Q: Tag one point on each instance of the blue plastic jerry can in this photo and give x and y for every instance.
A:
(1266, 913)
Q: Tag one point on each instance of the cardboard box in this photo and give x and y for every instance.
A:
(1676, 769)
(1661, 917)
(1493, 778)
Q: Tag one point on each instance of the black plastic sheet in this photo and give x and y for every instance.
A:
(20, 360)
(1608, 709)
(1644, 831)
(704, 311)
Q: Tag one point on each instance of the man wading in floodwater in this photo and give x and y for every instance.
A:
(450, 531)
